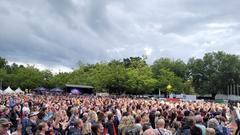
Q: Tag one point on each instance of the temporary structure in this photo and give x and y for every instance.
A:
(56, 90)
(1, 91)
(8, 90)
(18, 90)
(75, 91)
(40, 89)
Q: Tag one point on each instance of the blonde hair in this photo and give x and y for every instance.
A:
(86, 129)
(123, 122)
(210, 131)
(145, 119)
(130, 121)
(92, 116)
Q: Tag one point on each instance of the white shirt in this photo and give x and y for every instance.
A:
(26, 109)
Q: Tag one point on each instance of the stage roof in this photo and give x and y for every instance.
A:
(79, 86)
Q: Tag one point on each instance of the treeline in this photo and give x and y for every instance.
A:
(211, 74)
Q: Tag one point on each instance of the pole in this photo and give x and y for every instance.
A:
(1, 85)
(234, 92)
(237, 92)
(230, 89)
(228, 92)
(159, 93)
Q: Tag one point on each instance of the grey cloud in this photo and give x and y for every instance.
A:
(52, 32)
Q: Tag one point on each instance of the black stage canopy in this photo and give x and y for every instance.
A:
(79, 89)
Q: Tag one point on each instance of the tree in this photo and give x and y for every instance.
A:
(3, 75)
(213, 73)
(134, 62)
(166, 78)
(117, 77)
(47, 77)
(59, 80)
(28, 77)
(140, 80)
(3, 62)
(178, 67)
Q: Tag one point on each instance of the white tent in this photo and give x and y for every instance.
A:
(8, 90)
(18, 90)
(1, 91)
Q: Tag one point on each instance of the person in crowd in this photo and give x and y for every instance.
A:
(113, 115)
(74, 115)
(195, 131)
(92, 117)
(18, 131)
(122, 125)
(187, 124)
(77, 128)
(109, 126)
(213, 123)
(176, 125)
(5, 112)
(26, 108)
(42, 128)
(131, 128)
(14, 118)
(199, 123)
(116, 121)
(160, 128)
(210, 131)
(30, 125)
(86, 129)
(149, 131)
(97, 129)
(4, 126)
(138, 123)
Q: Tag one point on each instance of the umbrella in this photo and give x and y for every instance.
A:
(56, 90)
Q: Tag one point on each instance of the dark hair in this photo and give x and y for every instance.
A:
(195, 131)
(110, 116)
(146, 126)
(186, 113)
(41, 126)
(138, 119)
(95, 128)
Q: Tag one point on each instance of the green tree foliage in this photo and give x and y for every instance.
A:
(211, 74)
(59, 80)
(28, 77)
(117, 77)
(3, 62)
(168, 77)
(140, 80)
(178, 67)
(214, 72)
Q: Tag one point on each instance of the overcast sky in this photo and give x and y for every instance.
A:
(56, 34)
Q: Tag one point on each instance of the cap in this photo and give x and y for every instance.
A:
(4, 121)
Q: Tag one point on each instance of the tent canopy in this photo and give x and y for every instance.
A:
(18, 90)
(56, 90)
(8, 90)
(40, 89)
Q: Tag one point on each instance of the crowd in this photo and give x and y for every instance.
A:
(92, 115)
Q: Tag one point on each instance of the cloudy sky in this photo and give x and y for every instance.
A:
(56, 34)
